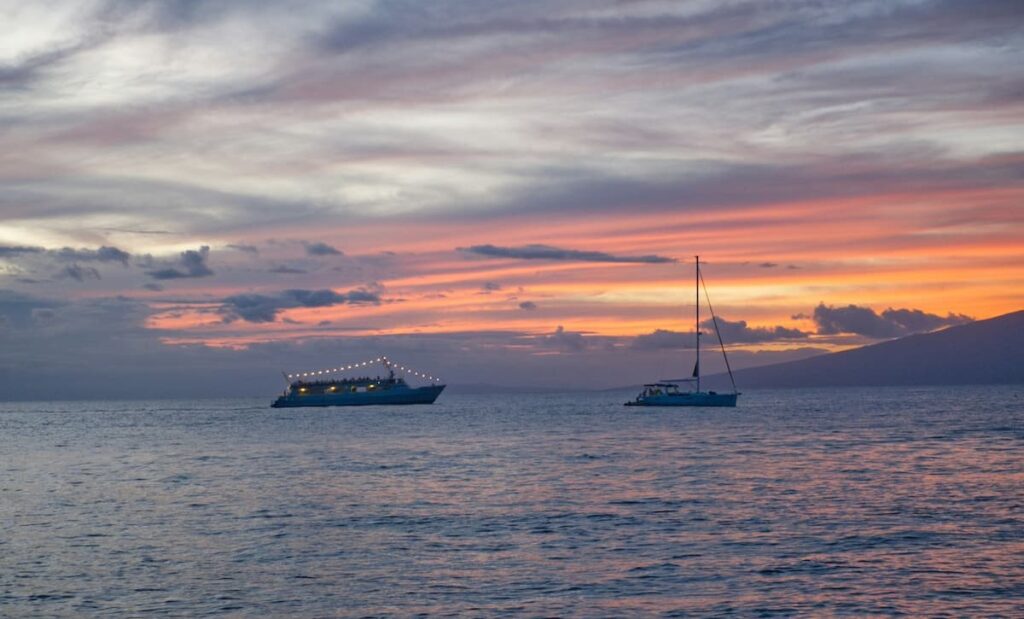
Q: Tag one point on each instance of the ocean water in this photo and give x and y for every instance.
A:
(880, 502)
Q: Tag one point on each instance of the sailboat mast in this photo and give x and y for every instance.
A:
(697, 324)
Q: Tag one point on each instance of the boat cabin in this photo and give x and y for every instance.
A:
(350, 385)
(656, 389)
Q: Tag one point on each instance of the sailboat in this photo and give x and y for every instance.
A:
(668, 393)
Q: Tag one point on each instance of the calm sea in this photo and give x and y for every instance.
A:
(851, 502)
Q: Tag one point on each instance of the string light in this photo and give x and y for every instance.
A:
(343, 368)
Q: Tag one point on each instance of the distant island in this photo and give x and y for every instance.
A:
(983, 352)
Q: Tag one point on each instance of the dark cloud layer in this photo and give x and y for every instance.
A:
(103, 254)
(190, 264)
(568, 341)
(16, 308)
(78, 273)
(265, 308)
(242, 247)
(69, 254)
(547, 252)
(737, 332)
(283, 269)
(8, 251)
(832, 320)
(664, 339)
(733, 332)
(321, 249)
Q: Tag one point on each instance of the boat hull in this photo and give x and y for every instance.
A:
(691, 398)
(390, 397)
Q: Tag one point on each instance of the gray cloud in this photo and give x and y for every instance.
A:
(265, 308)
(583, 189)
(890, 323)
(321, 249)
(78, 273)
(199, 208)
(68, 254)
(283, 269)
(22, 74)
(737, 332)
(43, 316)
(569, 341)
(705, 45)
(17, 308)
(249, 249)
(190, 264)
(103, 254)
(664, 339)
(733, 332)
(547, 252)
(917, 321)
(528, 305)
(8, 251)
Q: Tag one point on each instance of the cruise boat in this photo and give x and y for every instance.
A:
(313, 389)
(668, 393)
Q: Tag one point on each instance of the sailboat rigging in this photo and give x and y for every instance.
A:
(667, 393)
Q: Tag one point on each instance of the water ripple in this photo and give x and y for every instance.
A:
(882, 502)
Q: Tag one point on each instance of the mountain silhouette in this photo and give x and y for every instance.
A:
(987, 351)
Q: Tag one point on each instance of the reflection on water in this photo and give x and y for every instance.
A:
(859, 502)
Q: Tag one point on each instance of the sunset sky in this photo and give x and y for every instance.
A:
(195, 195)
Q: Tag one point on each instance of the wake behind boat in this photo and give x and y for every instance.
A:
(309, 389)
(668, 393)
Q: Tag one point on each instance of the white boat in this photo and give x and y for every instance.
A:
(668, 393)
(314, 389)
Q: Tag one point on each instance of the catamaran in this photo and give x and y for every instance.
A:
(668, 393)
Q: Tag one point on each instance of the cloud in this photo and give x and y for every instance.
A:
(286, 270)
(733, 332)
(43, 316)
(547, 252)
(321, 249)
(737, 332)
(103, 254)
(191, 263)
(22, 74)
(17, 308)
(249, 249)
(528, 305)
(78, 273)
(569, 341)
(68, 254)
(890, 323)
(265, 308)
(917, 321)
(490, 286)
(664, 339)
(7, 251)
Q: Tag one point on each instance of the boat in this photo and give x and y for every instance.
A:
(309, 389)
(668, 393)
